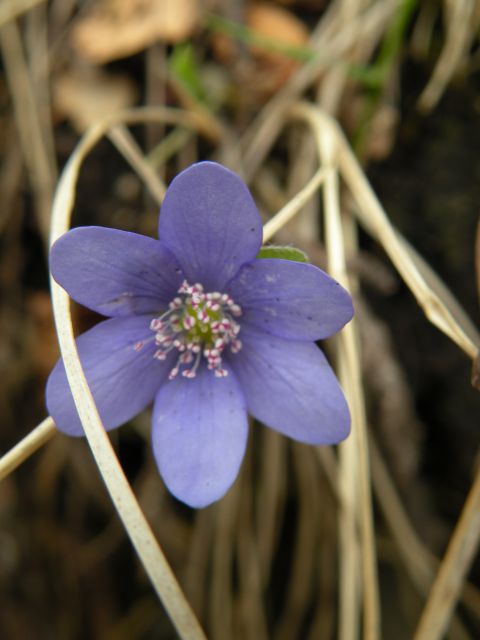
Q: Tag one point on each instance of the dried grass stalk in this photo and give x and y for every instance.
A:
(26, 447)
(11, 9)
(461, 30)
(453, 570)
(354, 458)
(427, 288)
(34, 148)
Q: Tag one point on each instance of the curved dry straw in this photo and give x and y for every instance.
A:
(129, 511)
(356, 551)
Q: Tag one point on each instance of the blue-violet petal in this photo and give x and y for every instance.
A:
(115, 272)
(210, 222)
(123, 377)
(291, 300)
(199, 436)
(290, 387)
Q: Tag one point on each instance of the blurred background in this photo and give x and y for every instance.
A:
(401, 77)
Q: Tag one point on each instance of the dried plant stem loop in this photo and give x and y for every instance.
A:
(136, 525)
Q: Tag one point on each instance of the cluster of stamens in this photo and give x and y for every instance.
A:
(197, 324)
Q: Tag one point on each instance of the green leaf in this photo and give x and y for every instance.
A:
(284, 253)
(183, 65)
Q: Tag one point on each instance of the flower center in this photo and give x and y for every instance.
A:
(197, 324)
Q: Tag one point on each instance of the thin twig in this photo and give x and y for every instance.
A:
(356, 448)
(126, 144)
(34, 149)
(374, 219)
(270, 499)
(27, 447)
(251, 622)
(302, 572)
(349, 583)
(461, 30)
(220, 609)
(293, 206)
(260, 135)
(453, 569)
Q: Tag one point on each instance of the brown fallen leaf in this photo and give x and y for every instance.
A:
(86, 95)
(119, 28)
(278, 25)
(269, 67)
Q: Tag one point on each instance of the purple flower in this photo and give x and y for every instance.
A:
(204, 329)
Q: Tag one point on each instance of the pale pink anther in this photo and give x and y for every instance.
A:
(220, 373)
(173, 373)
(188, 322)
(197, 301)
(203, 316)
(176, 303)
(235, 346)
(156, 324)
(178, 344)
